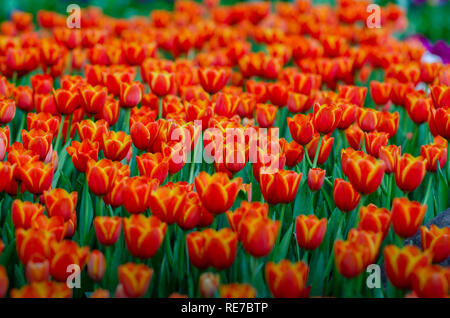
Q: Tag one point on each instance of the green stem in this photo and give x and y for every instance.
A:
(58, 138)
(316, 156)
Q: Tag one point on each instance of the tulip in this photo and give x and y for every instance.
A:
(43, 121)
(130, 94)
(82, 152)
(278, 93)
(354, 136)
(325, 148)
(310, 231)
(265, 115)
(294, 153)
(399, 92)
(23, 96)
(38, 141)
(94, 131)
(100, 176)
(409, 171)
(217, 192)
(348, 115)
(441, 119)
(365, 173)
(280, 186)
(208, 284)
(212, 248)
(136, 192)
(153, 166)
(135, 279)
(143, 133)
(115, 145)
(161, 83)
(367, 119)
(258, 234)
(297, 102)
(301, 128)
(380, 92)
(227, 104)
(401, 263)
(431, 281)
(440, 95)
(235, 290)
(66, 101)
(4, 282)
(37, 271)
(388, 123)
(96, 265)
(7, 110)
(316, 177)
(143, 235)
(287, 280)
(44, 289)
(388, 154)
(33, 244)
(107, 229)
(23, 213)
(374, 141)
(326, 118)
(213, 79)
(63, 254)
(349, 258)
(434, 154)
(407, 216)
(436, 241)
(369, 241)
(36, 176)
(354, 94)
(60, 202)
(345, 196)
(93, 98)
(374, 219)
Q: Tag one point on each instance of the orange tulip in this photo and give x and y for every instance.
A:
(66, 101)
(100, 176)
(258, 234)
(4, 282)
(310, 231)
(7, 110)
(380, 92)
(44, 289)
(265, 115)
(160, 83)
(440, 95)
(374, 141)
(325, 148)
(62, 255)
(433, 154)
(301, 128)
(153, 165)
(107, 229)
(368, 119)
(94, 131)
(388, 154)
(116, 145)
(217, 192)
(38, 141)
(436, 241)
(208, 284)
(354, 136)
(374, 219)
(36, 176)
(23, 213)
(60, 202)
(143, 235)
(316, 177)
(93, 98)
(235, 290)
(280, 186)
(388, 123)
(431, 281)
(407, 216)
(287, 280)
(168, 201)
(82, 152)
(326, 118)
(130, 94)
(401, 263)
(37, 271)
(96, 265)
(212, 248)
(345, 196)
(409, 171)
(135, 279)
(213, 79)
(350, 258)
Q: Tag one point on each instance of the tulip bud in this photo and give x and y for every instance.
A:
(96, 265)
(316, 177)
(209, 283)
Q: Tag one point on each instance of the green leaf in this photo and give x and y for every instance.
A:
(86, 215)
(281, 251)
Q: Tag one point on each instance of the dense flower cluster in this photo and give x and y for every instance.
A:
(116, 161)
